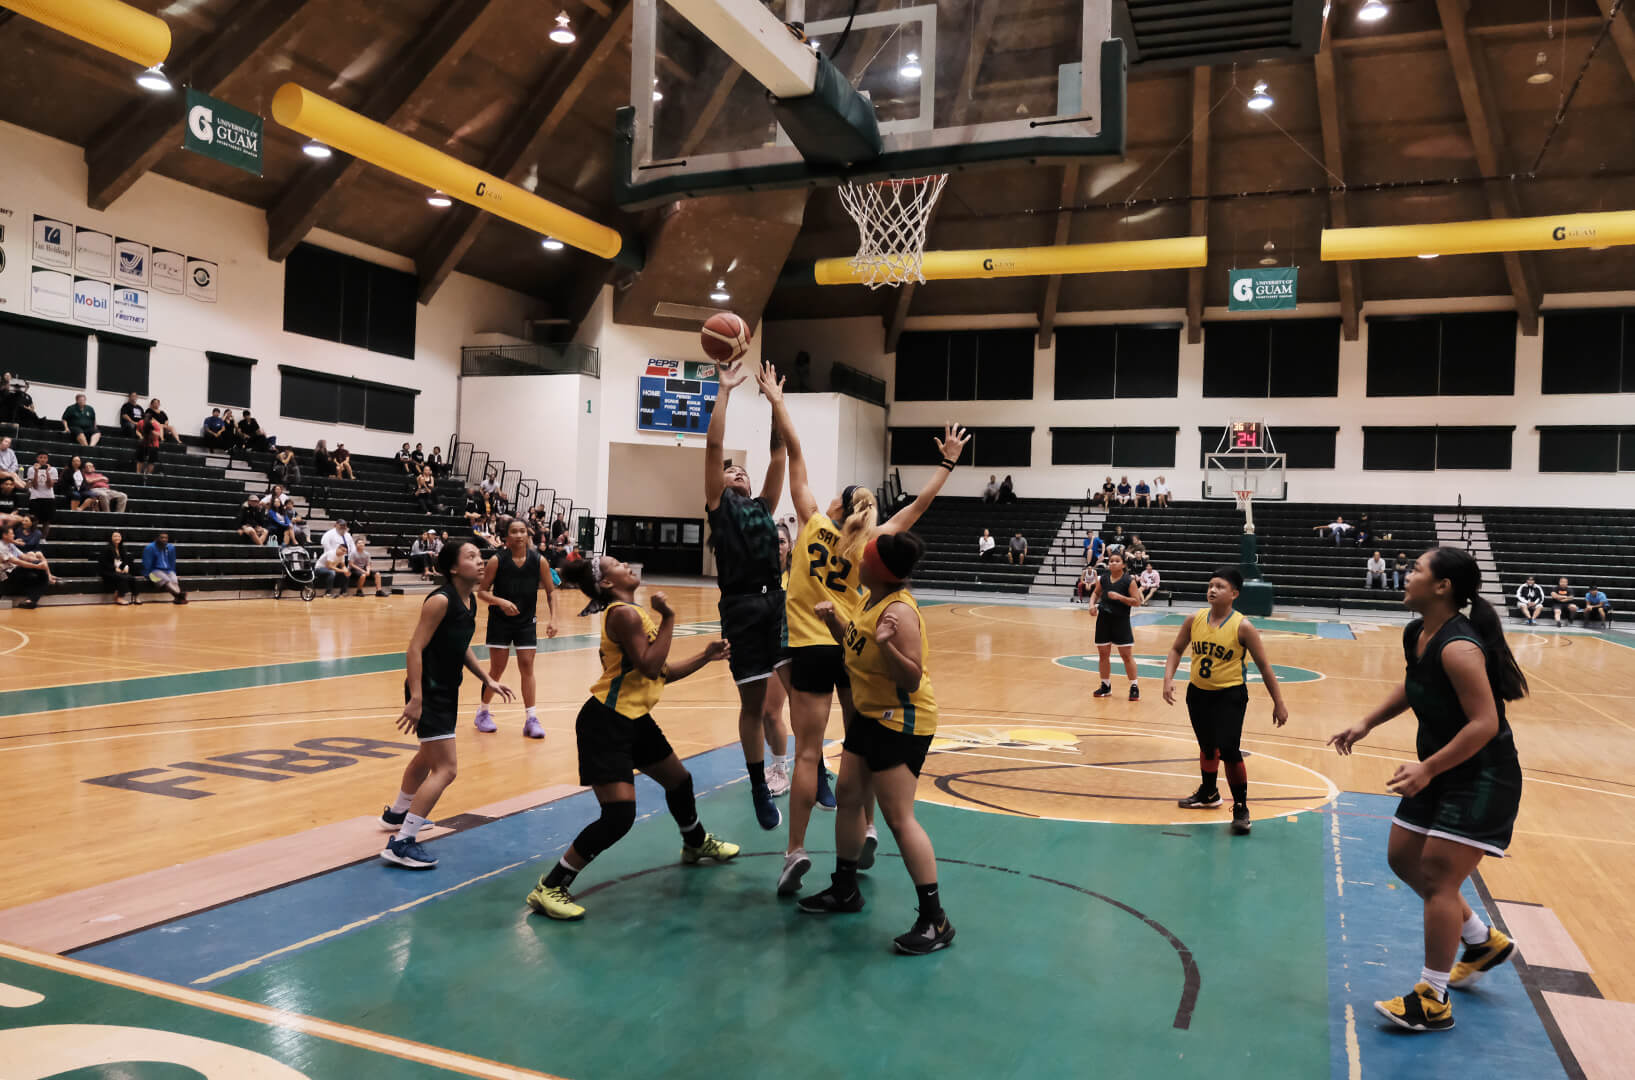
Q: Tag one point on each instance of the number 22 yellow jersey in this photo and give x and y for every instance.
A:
(818, 572)
(1217, 654)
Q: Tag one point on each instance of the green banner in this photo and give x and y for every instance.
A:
(1264, 290)
(223, 132)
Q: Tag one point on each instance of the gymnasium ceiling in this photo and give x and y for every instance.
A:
(1438, 90)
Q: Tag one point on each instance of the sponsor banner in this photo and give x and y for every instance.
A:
(223, 132)
(201, 280)
(169, 270)
(1264, 290)
(93, 302)
(53, 242)
(93, 253)
(131, 263)
(130, 310)
(50, 293)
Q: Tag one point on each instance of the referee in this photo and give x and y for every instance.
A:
(749, 572)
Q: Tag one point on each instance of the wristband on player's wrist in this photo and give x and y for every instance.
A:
(947, 464)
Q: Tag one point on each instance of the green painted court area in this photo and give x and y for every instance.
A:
(1082, 949)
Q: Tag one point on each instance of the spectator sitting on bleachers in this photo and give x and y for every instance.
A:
(336, 537)
(29, 535)
(1116, 543)
(94, 489)
(25, 573)
(1143, 493)
(361, 563)
(115, 568)
(1375, 578)
(276, 496)
(1562, 600)
(418, 456)
(476, 506)
(214, 431)
(1160, 492)
(487, 532)
(1082, 587)
(1007, 490)
(1149, 583)
(8, 461)
(159, 567)
(1530, 600)
(343, 462)
(425, 489)
(984, 545)
(250, 433)
(1365, 532)
(151, 432)
(1339, 527)
(42, 489)
(17, 404)
(421, 554)
(80, 421)
(156, 411)
(130, 414)
(490, 484)
(438, 468)
(1125, 494)
(1104, 497)
(991, 492)
(333, 564)
(1094, 545)
(252, 521)
(405, 462)
(299, 532)
(278, 521)
(12, 499)
(1596, 605)
(285, 469)
(1400, 568)
(1018, 552)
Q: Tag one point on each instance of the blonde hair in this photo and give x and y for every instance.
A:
(859, 524)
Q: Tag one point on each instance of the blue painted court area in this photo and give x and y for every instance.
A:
(1375, 951)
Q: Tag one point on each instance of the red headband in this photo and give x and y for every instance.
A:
(877, 565)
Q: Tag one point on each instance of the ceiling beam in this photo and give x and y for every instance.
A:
(1202, 91)
(118, 155)
(537, 120)
(1485, 134)
(1064, 226)
(981, 34)
(439, 46)
(704, 123)
(1328, 108)
(1623, 33)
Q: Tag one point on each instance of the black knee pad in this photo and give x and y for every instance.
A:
(1231, 755)
(607, 830)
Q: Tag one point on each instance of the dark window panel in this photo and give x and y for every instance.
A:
(917, 446)
(1399, 448)
(1305, 358)
(37, 351)
(962, 367)
(1004, 365)
(393, 308)
(1148, 363)
(1003, 447)
(922, 367)
(1578, 450)
(1583, 351)
(312, 292)
(122, 366)
(1084, 359)
(306, 398)
(1473, 447)
(228, 384)
(1236, 356)
(1081, 446)
(1479, 353)
(1402, 356)
(390, 410)
(1144, 448)
(1626, 450)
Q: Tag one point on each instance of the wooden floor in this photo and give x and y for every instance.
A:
(176, 693)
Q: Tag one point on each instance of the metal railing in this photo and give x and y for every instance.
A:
(845, 379)
(531, 359)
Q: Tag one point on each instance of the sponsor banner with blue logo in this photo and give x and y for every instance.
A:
(131, 263)
(53, 243)
(130, 312)
(93, 302)
(1264, 290)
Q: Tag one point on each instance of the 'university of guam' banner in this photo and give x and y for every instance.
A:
(222, 131)
(1264, 290)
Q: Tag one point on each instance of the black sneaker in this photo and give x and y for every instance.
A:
(1135, 692)
(1205, 798)
(926, 936)
(1105, 691)
(830, 902)
(766, 811)
(390, 820)
(1240, 820)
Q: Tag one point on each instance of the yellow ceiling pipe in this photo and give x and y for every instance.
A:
(1480, 237)
(319, 118)
(107, 24)
(1177, 253)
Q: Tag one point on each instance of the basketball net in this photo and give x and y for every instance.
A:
(1246, 501)
(891, 217)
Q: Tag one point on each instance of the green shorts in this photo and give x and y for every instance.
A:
(1476, 808)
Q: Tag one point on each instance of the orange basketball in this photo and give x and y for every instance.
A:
(725, 338)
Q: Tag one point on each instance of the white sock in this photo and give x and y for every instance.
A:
(411, 827)
(777, 761)
(1438, 981)
(482, 710)
(531, 715)
(400, 805)
(1475, 930)
(870, 832)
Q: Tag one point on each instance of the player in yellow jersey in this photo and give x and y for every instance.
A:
(773, 725)
(616, 731)
(827, 556)
(887, 656)
(1217, 638)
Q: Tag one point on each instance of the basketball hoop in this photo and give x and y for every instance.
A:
(891, 218)
(1245, 499)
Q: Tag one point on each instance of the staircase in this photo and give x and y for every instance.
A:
(1064, 562)
(1467, 530)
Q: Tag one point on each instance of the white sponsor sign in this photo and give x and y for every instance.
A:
(50, 293)
(131, 310)
(131, 263)
(93, 253)
(93, 302)
(53, 242)
(169, 270)
(201, 280)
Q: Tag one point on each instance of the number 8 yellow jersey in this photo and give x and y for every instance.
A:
(817, 572)
(1217, 654)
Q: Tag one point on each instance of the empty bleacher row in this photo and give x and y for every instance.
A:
(1587, 547)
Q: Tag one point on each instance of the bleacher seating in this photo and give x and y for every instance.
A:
(1587, 547)
(950, 530)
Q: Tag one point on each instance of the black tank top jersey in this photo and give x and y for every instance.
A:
(1112, 609)
(442, 661)
(518, 584)
(1436, 703)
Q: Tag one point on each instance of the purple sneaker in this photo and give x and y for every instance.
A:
(532, 729)
(485, 720)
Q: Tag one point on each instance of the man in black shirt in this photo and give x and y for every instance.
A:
(748, 570)
(130, 414)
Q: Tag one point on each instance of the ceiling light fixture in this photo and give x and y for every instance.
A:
(1268, 259)
(656, 95)
(1261, 101)
(911, 67)
(563, 34)
(155, 79)
(551, 243)
(315, 149)
(439, 200)
(1542, 75)
(1373, 11)
(720, 295)
(1430, 255)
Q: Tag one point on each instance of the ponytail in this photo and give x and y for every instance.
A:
(862, 515)
(577, 572)
(1459, 569)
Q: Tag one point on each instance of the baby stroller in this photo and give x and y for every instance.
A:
(298, 565)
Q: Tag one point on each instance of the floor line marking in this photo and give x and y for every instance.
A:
(23, 644)
(1599, 712)
(960, 753)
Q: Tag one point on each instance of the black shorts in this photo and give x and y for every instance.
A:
(1217, 717)
(818, 669)
(147, 453)
(439, 715)
(1113, 629)
(883, 748)
(43, 510)
(1476, 807)
(613, 746)
(754, 626)
(505, 632)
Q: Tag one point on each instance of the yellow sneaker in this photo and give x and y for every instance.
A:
(713, 848)
(1480, 959)
(1418, 1011)
(554, 902)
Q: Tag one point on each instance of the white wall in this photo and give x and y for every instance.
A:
(859, 342)
(42, 175)
(531, 422)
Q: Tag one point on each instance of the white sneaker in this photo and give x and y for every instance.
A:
(871, 842)
(795, 865)
(777, 779)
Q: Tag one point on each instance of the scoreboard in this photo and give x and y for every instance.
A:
(677, 396)
(1245, 435)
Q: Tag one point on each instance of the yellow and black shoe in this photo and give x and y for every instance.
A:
(713, 848)
(1418, 1011)
(554, 901)
(1480, 959)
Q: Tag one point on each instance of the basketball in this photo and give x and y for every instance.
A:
(725, 338)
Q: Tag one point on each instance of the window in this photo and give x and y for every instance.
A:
(1473, 447)
(1448, 355)
(1081, 446)
(39, 350)
(1133, 448)
(1123, 361)
(1586, 449)
(965, 365)
(1399, 448)
(355, 302)
(1589, 352)
(334, 399)
(122, 363)
(1272, 358)
(228, 381)
(1422, 449)
(1301, 447)
(996, 446)
(918, 446)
